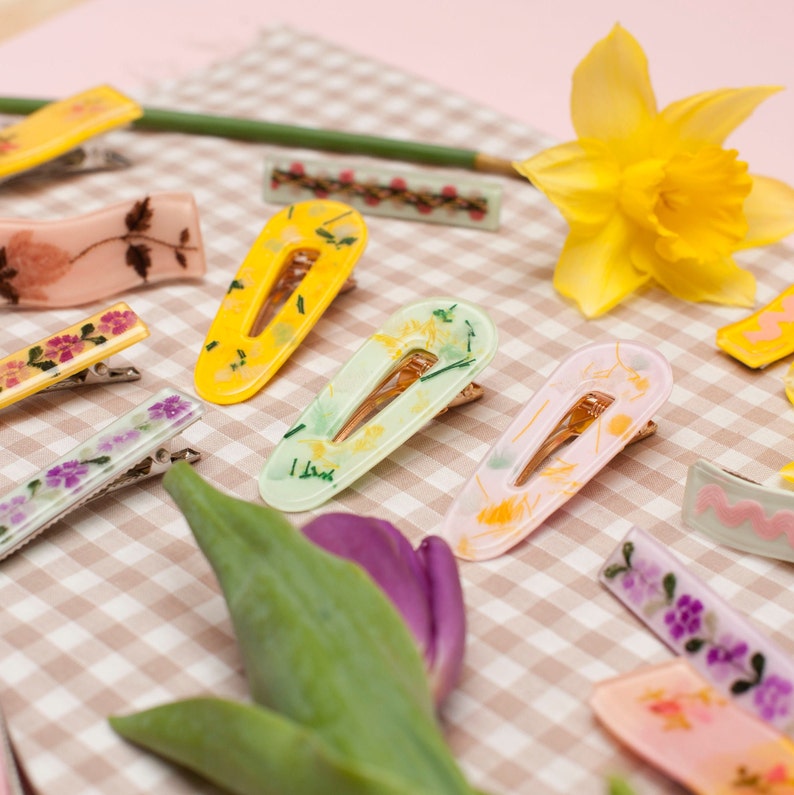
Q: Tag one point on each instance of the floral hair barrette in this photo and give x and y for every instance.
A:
(301, 260)
(686, 614)
(738, 512)
(379, 190)
(73, 356)
(597, 401)
(421, 361)
(131, 449)
(675, 720)
(74, 261)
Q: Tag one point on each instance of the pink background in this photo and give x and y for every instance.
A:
(515, 56)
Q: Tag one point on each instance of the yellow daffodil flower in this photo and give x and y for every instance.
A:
(652, 196)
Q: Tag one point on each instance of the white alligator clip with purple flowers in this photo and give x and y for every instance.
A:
(132, 448)
(701, 626)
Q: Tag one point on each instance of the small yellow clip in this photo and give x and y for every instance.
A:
(763, 337)
(300, 261)
(60, 126)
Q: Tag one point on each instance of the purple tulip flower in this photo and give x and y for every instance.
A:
(423, 585)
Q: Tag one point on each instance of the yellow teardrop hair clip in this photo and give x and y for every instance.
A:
(301, 260)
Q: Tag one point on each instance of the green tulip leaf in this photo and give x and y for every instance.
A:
(248, 750)
(322, 645)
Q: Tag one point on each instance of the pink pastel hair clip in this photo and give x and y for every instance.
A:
(597, 401)
(738, 512)
(74, 261)
(675, 720)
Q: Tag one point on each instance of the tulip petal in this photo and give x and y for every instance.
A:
(596, 271)
(388, 557)
(581, 178)
(448, 612)
(721, 281)
(706, 118)
(612, 98)
(769, 210)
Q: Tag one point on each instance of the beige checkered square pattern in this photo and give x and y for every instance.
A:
(115, 609)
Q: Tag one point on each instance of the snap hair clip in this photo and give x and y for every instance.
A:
(298, 264)
(691, 619)
(411, 195)
(763, 337)
(73, 356)
(129, 450)
(422, 360)
(596, 402)
(738, 512)
(74, 261)
(675, 720)
(58, 127)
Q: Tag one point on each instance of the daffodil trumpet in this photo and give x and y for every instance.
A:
(652, 196)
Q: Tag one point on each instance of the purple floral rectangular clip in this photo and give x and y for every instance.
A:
(132, 448)
(699, 625)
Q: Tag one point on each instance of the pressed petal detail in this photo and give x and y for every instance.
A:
(720, 281)
(596, 271)
(612, 99)
(769, 210)
(581, 178)
(707, 118)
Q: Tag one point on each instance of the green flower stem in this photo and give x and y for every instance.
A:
(162, 120)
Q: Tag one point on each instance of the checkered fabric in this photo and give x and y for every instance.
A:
(114, 608)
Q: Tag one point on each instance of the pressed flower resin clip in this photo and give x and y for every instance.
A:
(652, 197)
(675, 720)
(73, 356)
(74, 261)
(422, 360)
(301, 260)
(53, 130)
(131, 449)
(687, 615)
(411, 195)
(599, 400)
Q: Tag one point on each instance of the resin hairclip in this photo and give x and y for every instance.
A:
(74, 356)
(599, 399)
(60, 126)
(763, 337)
(687, 615)
(131, 449)
(75, 261)
(301, 260)
(671, 717)
(420, 362)
(410, 195)
(738, 512)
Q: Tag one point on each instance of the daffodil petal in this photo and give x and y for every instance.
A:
(612, 97)
(580, 178)
(769, 210)
(596, 270)
(721, 281)
(706, 118)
